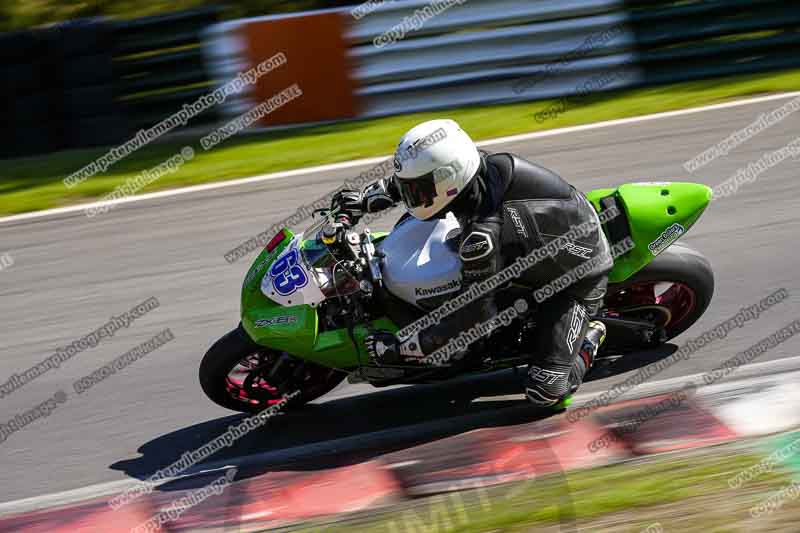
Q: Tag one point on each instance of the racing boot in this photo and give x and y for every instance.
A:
(595, 336)
(553, 385)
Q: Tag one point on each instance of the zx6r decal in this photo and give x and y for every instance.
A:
(278, 320)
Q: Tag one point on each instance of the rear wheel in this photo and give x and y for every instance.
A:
(238, 374)
(672, 292)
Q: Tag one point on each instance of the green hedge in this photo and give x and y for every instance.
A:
(18, 14)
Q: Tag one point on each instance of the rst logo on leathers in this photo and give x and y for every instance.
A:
(476, 246)
(519, 226)
(545, 376)
(578, 251)
(576, 326)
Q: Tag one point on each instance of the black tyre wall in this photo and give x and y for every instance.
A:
(679, 263)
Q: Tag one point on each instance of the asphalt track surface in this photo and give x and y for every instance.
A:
(72, 273)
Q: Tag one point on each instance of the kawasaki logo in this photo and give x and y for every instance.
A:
(436, 291)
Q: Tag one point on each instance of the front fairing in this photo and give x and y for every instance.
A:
(290, 327)
(280, 297)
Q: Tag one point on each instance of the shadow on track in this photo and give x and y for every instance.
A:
(444, 410)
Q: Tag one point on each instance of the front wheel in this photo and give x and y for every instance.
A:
(238, 374)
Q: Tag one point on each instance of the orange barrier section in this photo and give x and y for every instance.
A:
(317, 61)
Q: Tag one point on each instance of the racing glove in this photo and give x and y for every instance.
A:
(348, 200)
(379, 196)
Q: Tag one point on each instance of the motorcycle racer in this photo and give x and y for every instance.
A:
(507, 207)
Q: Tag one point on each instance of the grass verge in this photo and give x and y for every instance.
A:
(30, 184)
(687, 493)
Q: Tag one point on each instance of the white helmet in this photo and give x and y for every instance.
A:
(434, 162)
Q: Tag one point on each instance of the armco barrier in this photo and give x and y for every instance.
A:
(95, 82)
(472, 52)
(501, 51)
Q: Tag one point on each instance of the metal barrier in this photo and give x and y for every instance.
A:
(485, 52)
(491, 51)
(94, 82)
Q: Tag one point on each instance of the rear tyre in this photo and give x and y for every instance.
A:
(676, 288)
(236, 373)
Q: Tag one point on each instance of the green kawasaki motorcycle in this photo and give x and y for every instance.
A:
(309, 299)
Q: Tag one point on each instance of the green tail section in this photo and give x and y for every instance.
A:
(657, 215)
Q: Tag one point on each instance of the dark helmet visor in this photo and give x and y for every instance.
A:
(417, 192)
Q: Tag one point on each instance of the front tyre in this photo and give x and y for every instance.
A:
(240, 375)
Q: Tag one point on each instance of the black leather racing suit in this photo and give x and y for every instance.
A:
(513, 208)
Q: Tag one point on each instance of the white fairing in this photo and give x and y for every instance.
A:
(288, 282)
(418, 265)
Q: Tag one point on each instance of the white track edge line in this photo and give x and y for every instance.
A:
(375, 160)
